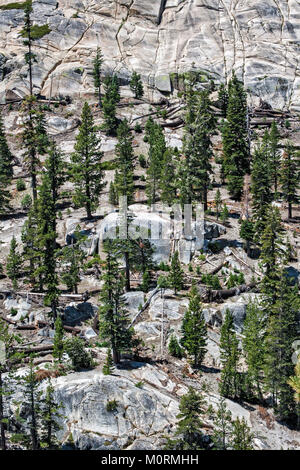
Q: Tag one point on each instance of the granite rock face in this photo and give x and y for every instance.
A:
(161, 40)
(165, 234)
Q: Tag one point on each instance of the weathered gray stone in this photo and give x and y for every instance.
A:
(156, 39)
(163, 83)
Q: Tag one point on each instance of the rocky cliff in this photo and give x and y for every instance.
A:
(160, 39)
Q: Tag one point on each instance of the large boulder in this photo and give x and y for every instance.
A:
(139, 413)
(74, 314)
(160, 229)
(159, 39)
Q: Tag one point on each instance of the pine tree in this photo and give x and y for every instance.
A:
(109, 363)
(125, 158)
(157, 150)
(272, 254)
(34, 138)
(247, 233)
(235, 138)
(31, 252)
(253, 345)
(194, 330)
(223, 98)
(75, 348)
(281, 333)
(97, 70)
(174, 347)
(49, 418)
(224, 214)
(145, 285)
(6, 157)
(113, 196)
(109, 103)
(114, 321)
(71, 259)
(141, 256)
(136, 85)
(11, 356)
(46, 236)
(32, 398)
(230, 355)
(14, 263)
(272, 140)
(124, 246)
(241, 437)
(58, 344)
(86, 167)
(4, 194)
(261, 189)
(196, 168)
(190, 437)
(294, 382)
(289, 177)
(26, 33)
(175, 278)
(55, 168)
(168, 178)
(222, 426)
(218, 203)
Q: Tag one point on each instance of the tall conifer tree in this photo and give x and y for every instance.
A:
(125, 158)
(86, 166)
(235, 138)
(289, 177)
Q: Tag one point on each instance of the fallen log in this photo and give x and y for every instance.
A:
(11, 322)
(223, 294)
(146, 304)
(37, 349)
(70, 329)
(25, 327)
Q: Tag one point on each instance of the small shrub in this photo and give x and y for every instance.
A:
(26, 202)
(215, 247)
(13, 6)
(174, 348)
(80, 358)
(21, 186)
(37, 32)
(211, 280)
(138, 128)
(139, 384)
(142, 161)
(163, 266)
(13, 312)
(111, 405)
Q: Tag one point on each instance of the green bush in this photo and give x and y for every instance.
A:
(142, 161)
(174, 348)
(211, 280)
(163, 266)
(215, 247)
(13, 6)
(21, 186)
(26, 202)
(235, 280)
(111, 405)
(80, 358)
(139, 384)
(37, 32)
(138, 128)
